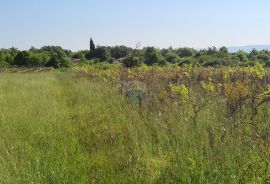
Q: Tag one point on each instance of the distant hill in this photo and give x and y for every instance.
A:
(249, 48)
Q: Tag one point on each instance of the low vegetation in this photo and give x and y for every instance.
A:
(104, 123)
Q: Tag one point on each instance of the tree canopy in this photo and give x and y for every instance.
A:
(55, 56)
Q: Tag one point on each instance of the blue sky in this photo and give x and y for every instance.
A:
(160, 23)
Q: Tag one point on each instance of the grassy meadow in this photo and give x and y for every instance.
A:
(65, 127)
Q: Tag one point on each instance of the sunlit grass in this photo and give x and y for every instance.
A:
(60, 128)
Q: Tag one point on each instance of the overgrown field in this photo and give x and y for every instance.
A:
(145, 125)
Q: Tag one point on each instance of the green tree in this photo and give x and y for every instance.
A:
(58, 57)
(212, 50)
(38, 59)
(120, 51)
(172, 57)
(242, 56)
(131, 61)
(186, 52)
(22, 58)
(224, 50)
(254, 52)
(92, 45)
(152, 56)
(3, 61)
(102, 53)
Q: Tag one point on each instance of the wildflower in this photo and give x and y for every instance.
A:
(210, 87)
(181, 91)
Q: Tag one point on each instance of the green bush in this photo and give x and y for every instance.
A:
(132, 61)
(4, 64)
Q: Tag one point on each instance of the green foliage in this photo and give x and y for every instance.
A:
(253, 53)
(58, 57)
(7, 55)
(57, 62)
(212, 51)
(152, 56)
(131, 61)
(120, 51)
(92, 45)
(242, 56)
(79, 55)
(186, 52)
(186, 62)
(215, 62)
(22, 58)
(102, 53)
(172, 57)
(4, 63)
(89, 55)
(224, 50)
(162, 61)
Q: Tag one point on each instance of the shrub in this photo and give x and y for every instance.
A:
(131, 61)
(172, 57)
(152, 56)
(186, 52)
(22, 58)
(101, 53)
(4, 64)
(187, 61)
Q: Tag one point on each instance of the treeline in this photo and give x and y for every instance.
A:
(211, 57)
(49, 56)
(54, 56)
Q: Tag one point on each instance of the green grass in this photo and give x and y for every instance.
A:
(56, 127)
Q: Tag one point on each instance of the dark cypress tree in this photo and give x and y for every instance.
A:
(92, 45)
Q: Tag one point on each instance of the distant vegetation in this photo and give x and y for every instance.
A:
(54, 56)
